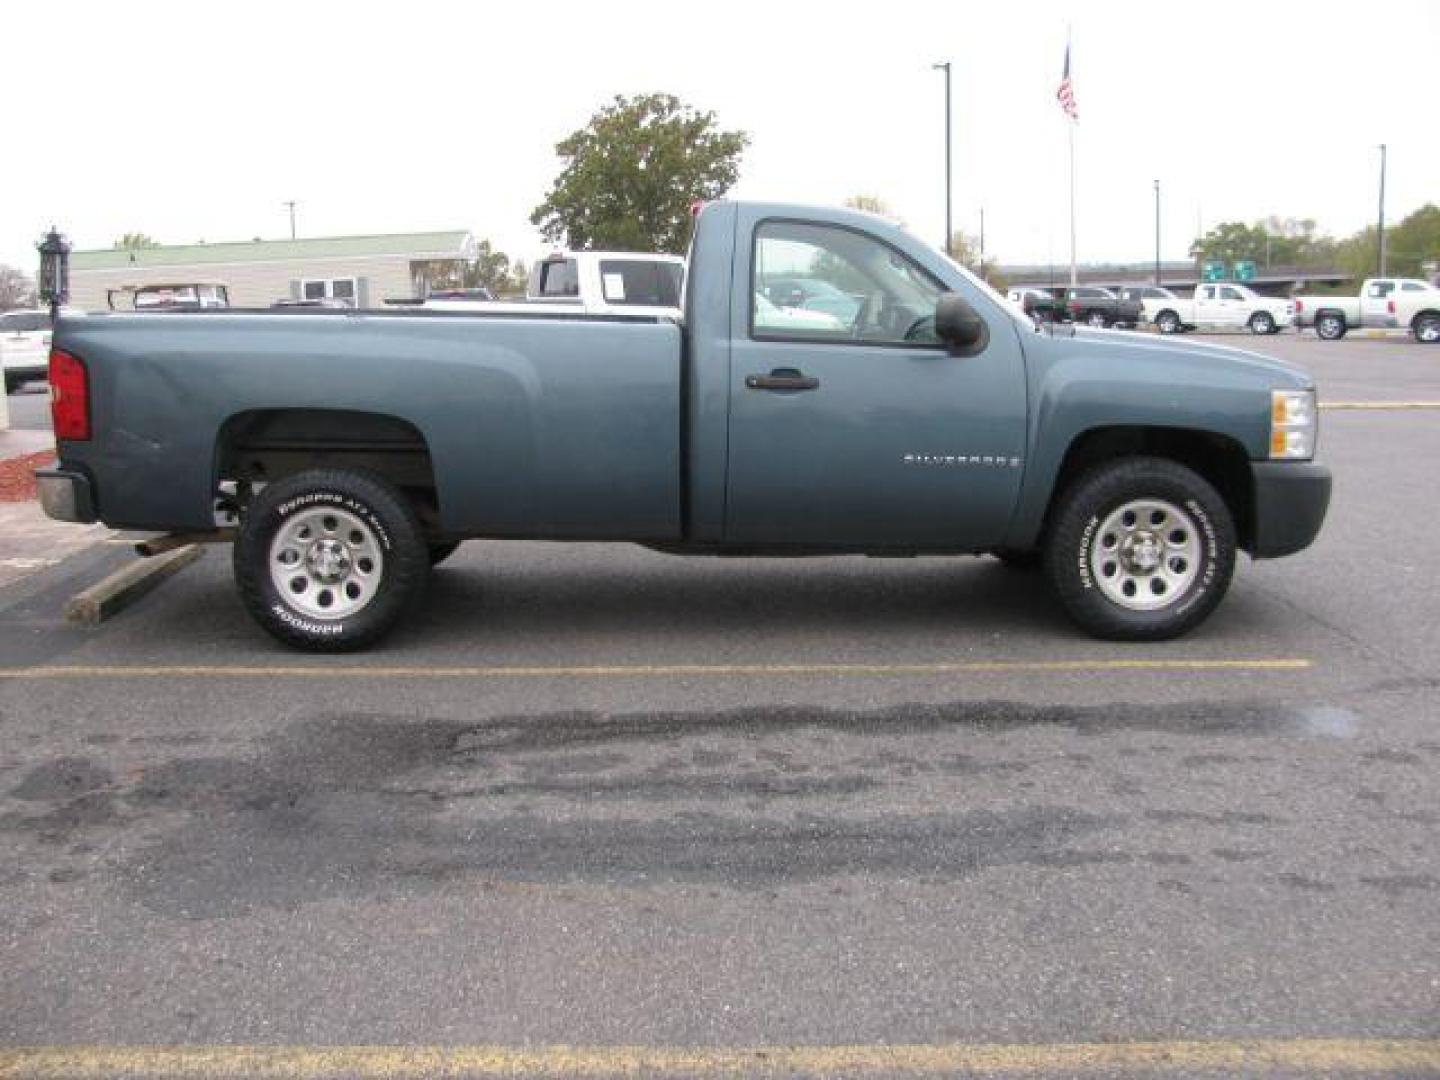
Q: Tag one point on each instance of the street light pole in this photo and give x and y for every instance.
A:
(1380, 231)
(291, 204)
(1157, 234)
(949, 250)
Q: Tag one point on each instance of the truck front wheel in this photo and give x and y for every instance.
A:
(1140, 549)
(329, 559)
(1330, 325)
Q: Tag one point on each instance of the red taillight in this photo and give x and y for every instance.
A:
(69, 396)
(1299, 305)
(1390, 306)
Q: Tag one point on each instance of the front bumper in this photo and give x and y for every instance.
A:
(1291, 498)
(66, 495)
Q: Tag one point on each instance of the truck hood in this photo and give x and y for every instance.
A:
(1125, 348)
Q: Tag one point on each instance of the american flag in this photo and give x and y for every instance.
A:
(1066, 92)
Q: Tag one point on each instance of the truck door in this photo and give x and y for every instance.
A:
(850, 425)
(1207, 308)
(1231, 308)
(1375, 303)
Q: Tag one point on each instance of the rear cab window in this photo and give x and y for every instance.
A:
(641, 283)
(559, 278)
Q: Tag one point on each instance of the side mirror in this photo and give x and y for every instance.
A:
(957, 323)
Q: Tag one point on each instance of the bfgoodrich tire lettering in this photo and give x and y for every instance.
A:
(328, 559)
(1191, 546)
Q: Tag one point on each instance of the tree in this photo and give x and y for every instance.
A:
(632, 173)
(16, 290)
(965, 249)
(135, 241)
(873, 204)
(490, 269)
(1414, 241)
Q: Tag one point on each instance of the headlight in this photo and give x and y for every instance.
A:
(1292, 424)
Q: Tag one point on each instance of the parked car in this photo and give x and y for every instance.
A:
(1144, 292)
(938, 420)
(1387, 303)
(1095, 306)
(1036, 302)
(811, 294)
(477, 293)
(25, 345)
(768, 316)
(1220, 306)
(327, 303)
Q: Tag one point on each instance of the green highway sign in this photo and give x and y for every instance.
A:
(1244, 270)
(1212, 270)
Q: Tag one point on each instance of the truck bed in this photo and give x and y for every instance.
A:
(572, 432)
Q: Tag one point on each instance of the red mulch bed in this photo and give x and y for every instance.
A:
(17, 475)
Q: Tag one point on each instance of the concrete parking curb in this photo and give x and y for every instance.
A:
(125, 586)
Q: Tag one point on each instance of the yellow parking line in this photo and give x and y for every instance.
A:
(1247, 1057)
(642, 671)
(1381, 406)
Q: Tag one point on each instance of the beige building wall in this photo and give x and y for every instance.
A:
(252, 284)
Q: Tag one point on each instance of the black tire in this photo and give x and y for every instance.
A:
(383, 519)
(1426, 328)
(440, 552)
(1330, 325)
(1168, 322)
(1262, 322)
(1076, 560)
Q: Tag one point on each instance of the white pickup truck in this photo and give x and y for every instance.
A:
(1223, 305)
(593, 283)
(1384, 303)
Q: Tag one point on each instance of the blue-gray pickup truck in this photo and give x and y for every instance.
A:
(834, 386)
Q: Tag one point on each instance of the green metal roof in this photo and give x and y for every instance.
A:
(455, 244)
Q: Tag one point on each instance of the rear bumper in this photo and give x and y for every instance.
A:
(1290, 503)
(65, 495)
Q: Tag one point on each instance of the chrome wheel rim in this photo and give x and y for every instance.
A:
(1329, 325)
(1096, 319)
(1146, 554)
(1429, 331)
(326, 563)
(1169, 324)
(1260, 324)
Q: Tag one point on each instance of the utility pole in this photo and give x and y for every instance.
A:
(948, 228)
(1380, 231)
(1157, 234)
(291, 204)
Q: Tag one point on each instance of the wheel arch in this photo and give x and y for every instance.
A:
(264, 445)
(1220, 459)
(1422, 314)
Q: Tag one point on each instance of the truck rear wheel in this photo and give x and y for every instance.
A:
(1427, 328)
(1330, 325)
(1140, 549)
(328, 560)
(1167, 322)
(1262, 322)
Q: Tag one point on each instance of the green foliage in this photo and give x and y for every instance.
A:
(134, 241)
(1275, 241)
(490, 269)
(1415, 240)
(16, 289)
(631, 174)
(872, 204)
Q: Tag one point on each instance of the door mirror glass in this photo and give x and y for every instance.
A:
(957, 323)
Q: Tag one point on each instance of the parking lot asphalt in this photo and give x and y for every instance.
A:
(595, 796)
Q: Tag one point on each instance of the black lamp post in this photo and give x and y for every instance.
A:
(54, 271)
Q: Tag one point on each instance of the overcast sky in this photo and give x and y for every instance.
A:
(194, 121)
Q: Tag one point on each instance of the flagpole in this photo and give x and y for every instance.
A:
(1073, 275)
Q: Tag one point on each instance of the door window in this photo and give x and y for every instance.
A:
(821, 282)
(1380, 289)
(1230, 294)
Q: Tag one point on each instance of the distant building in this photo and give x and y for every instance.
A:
(365, 270)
